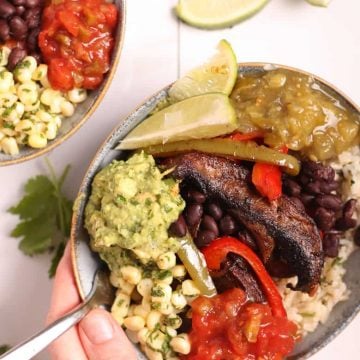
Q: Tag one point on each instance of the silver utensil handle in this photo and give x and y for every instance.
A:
(32, 346)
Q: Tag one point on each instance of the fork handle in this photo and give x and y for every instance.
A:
(32, 346)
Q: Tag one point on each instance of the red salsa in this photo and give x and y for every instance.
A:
(76, 40)
(228, 327)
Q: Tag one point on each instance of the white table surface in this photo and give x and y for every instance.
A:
(158, 48)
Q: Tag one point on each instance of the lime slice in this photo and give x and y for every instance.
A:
(213, 14)
(203, 116)
(218, 74)
(323, 3)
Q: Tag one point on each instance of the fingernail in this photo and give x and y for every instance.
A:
(97, 327)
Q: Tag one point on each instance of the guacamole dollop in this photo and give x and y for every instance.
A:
(132, 206)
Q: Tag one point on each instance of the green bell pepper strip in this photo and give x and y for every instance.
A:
(195, 265)
(242, 150)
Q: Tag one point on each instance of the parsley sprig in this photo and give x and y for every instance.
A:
(4, 349)
(45, 215)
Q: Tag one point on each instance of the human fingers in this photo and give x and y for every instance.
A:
(103, 338)
(64, 298)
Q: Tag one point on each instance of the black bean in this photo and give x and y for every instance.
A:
(227, 225)
(16, 55)
(204, 238)
(193, 213)
(324, 218)
(178, 228)
(32, 18)
(197, 197)
(329, 201)
(20, 10)
(32, 39)
(344, 223)
(18, 2)
(307, 199)
(208, 223)
(327, 187)
(291, 187)
(331, 244)
(357, 236)
(297, 202)
(247, 239)
(304, 180)
(349, 208)
(313, 187)
(32, 3)
(214, 210)
(316, 170)
(4, 30)
(18, 28)
(6, 9)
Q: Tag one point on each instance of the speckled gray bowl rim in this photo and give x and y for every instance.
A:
(85, 261)
(84, 110)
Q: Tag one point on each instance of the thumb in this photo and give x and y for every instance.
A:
(103, 338)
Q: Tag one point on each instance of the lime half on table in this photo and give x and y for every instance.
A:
(323, 3)
(203, 116)
(218, 74)
(215, 14)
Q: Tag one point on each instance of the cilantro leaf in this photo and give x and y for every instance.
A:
(39, 199)
(45, 215)
(4, 349)
(56, 259)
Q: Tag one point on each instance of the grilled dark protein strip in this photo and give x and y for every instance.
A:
(236, 272)
(279, 223)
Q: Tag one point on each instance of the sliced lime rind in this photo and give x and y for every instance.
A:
(217, 14)
(198, 117)
(218, 74)
(323, 3)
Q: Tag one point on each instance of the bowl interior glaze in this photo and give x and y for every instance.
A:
(83, 110)
(85, 262)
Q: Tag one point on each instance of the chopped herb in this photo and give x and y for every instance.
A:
(148, 202)
(167, 208)
(121, 199)
(8, 125)
(134, 202)
(172, 321)
(120, 302)
(155, 306)
(165, 348)
(157, 291)
(307, 314)
(26, 90)
(164, 274)
(337, 261)
(8, 111)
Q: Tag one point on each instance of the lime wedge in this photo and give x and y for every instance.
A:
(323, 3)
(203, 116)
(218, 74)
(214, 14)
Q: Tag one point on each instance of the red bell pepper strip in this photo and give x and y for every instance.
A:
(216, 252)
(267, 180)
(245, 137)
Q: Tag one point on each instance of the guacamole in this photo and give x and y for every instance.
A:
(131, 207)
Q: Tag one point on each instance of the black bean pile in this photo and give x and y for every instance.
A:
(316, 190)
(20, 20)
(207, 220)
